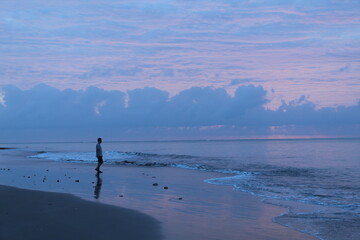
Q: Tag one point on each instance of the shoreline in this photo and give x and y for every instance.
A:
(188, 209)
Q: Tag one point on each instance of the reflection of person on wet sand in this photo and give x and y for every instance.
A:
(97, 186)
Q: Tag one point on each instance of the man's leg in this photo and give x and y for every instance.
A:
(100, 162)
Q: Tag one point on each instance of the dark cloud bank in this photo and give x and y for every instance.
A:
(44, 112)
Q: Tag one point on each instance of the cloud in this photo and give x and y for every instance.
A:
(107, 42)
(2, 99)
(238, 81)
(105, 72)
(47, 107)
(345, 68)
(199, 110)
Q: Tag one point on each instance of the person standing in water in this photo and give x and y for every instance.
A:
(99, 155)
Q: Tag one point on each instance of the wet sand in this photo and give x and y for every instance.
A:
(40, 215)
(185, 205)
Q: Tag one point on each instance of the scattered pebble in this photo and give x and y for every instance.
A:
(155, 184)
(47, 170)
(166, 188)
(77, 180)
(153, 177)
(180, 198)
(121, 196)
(58, 180)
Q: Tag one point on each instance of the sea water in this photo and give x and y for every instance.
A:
(318, 180)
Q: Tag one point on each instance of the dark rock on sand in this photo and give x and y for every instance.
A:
(128, 162)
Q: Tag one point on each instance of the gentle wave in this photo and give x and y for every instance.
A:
(84, 157)
(135, 159)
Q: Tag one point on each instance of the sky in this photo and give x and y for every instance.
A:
(242, 68)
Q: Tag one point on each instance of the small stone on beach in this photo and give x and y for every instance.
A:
(166, 188)
(155, 184)
(77, 180)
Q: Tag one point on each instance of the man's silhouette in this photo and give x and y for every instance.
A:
(99, 155)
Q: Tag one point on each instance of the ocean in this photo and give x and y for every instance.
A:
(317, 180)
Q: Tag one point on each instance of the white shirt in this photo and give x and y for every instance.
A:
(98, 150)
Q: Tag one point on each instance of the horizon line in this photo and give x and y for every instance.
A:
(297, 138)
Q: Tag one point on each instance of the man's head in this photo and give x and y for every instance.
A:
(99, 140)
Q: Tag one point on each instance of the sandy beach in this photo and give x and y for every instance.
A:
(34, 215)
(127, 202)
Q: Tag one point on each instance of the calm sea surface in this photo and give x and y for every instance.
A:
(318, 180)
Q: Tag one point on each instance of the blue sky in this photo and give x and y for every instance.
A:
(290, 49)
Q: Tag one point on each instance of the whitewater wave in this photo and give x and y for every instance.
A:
(136, 159)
